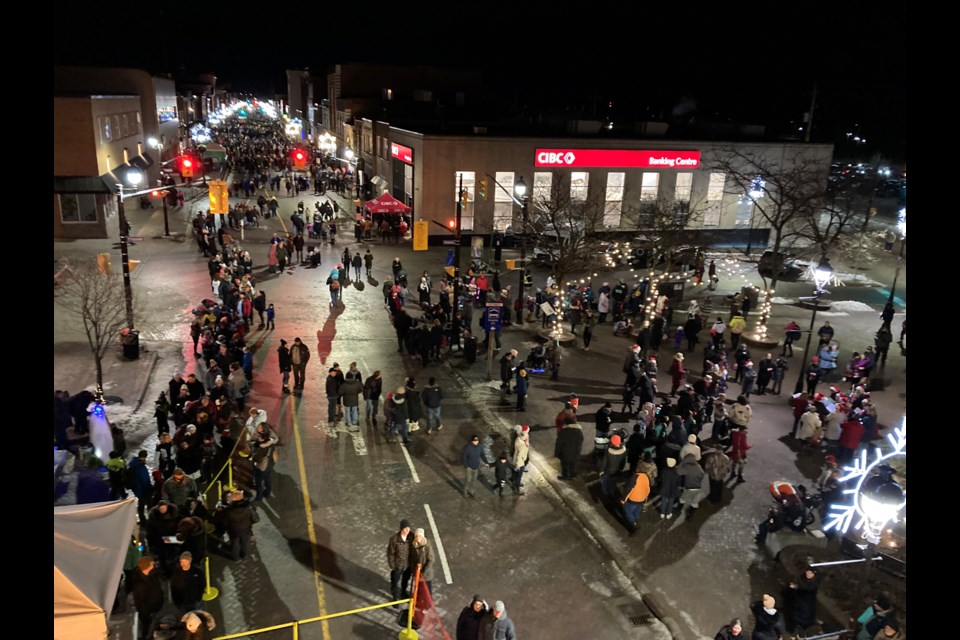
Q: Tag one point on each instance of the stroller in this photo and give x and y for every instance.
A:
(402, 279)
(537, 359)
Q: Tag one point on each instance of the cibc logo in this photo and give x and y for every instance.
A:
(554, 158)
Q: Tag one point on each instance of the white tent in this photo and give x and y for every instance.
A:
(90, 544)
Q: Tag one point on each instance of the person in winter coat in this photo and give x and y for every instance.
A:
(738, 452)
(737, 325)
(568, 446)
(717, 330)
(805, 601)
(717, 466)
(691, 474)
(496, 625)
(637, 492)
(851, 433)
(414, 404)
(399, 558)
(732, 631)
(669, 488)
(521, 456)
(187, 584)
(780, 367)
(471, 457)
(829, 354)
(285, 361)
(238, 516)
(147, 594)
(677, 374)
(350, 391)
(690, 447)
(142, 487)
(420, 552)
(197, 625)
(614, 461)
(468, 624)
(811, 428)
(522, 387)
(875, 617)
(749, 378)
(372, 389)
(769, 622)
(740, 413)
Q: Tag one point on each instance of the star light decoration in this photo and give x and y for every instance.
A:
(864, 512)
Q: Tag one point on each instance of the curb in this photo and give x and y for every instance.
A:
(154, 356)
(666, 614)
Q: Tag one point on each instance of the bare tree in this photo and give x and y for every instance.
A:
(839, 213)
(97, 299)
(785, 190)
(564, 227)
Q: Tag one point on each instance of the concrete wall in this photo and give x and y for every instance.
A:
(75, 148)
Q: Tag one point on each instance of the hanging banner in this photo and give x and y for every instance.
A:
(421, 235)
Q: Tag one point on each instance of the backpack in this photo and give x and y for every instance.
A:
(129, 479)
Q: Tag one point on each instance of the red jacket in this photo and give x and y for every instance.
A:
(851, 432)
(799, 405)
(738, 440)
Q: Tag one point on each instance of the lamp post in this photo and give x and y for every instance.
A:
(133, 177)
(158, 145)
(520, 188)
(821, 275)
(456, 250)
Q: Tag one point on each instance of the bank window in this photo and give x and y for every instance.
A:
(407, 182)
(681, 196)
(503, 208)
(469, 184)
(542, 186)
(648, 189)
(711, 216)
(78, 207)
(744, 212)
(579, 182)
(613, 206)
(105, 128)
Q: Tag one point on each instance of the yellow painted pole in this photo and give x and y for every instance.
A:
(210, 592)
(230, 486)
(296, 631)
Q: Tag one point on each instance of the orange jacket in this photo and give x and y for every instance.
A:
(640, 490)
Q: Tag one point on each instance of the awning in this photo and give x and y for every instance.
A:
(79, 184)
(118, 175)
(386, 204)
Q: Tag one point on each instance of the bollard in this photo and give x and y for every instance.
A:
(230, 485)
(210, 592)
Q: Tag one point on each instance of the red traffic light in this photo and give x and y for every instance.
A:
(452, 223)
(156, 194)
(299, 155)
(187, 162)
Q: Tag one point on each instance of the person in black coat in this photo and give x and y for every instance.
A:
(770, 624)
(147, 594)
(691, 329)
(731, 631)
(468, 624)
(805, 601)
(568, 447)
(401, 324)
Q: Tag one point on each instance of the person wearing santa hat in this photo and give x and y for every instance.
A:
(521, 456)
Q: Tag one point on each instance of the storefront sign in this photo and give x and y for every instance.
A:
(617, 158)
(402, 153)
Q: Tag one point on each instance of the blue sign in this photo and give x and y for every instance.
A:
(494, 316)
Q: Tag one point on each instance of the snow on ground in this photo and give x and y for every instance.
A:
(849, 305)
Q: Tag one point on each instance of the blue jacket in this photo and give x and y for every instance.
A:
(141, 475)
(472, 455)
(523, 384)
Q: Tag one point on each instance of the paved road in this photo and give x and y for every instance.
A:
(339, 496)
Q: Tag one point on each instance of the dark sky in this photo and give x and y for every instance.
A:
(757, 66)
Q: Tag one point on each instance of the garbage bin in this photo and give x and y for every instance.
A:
(131, 345)
(673, 289)
(470, 349)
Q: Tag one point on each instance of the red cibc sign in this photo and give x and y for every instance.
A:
(402, 153)
(617, 158)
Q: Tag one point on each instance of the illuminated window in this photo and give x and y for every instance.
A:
(503, 208)
(542, 186)
(711, 216)
(744, 213)
(469, 182)
(648, 190)
(579, 182)
(78, 207)
(388, 94)
(613, 206)
(681, 196)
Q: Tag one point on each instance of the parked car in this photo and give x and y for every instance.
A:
(789, 269)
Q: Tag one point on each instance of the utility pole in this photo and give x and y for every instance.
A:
(125, 258)
(523, 262)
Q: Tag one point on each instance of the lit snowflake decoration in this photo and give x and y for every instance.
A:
(871, 515)
(811, 271)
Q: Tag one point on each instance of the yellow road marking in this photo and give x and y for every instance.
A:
(314, 548)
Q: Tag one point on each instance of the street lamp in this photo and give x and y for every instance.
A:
(158, 145)
(880, 500)
(821, 275)
(134, 177)
(520, 188)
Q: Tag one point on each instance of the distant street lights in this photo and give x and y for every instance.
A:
(821, 275)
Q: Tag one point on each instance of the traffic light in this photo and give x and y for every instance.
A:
(452, 223)
(219, 200)
(483, 189)
(157, 193)
(463, 197)
(299, 159)
(186, 167)
(103, 263)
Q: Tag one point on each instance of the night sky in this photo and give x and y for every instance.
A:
(756, 67)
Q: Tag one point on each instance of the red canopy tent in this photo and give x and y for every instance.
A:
(386, 204)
